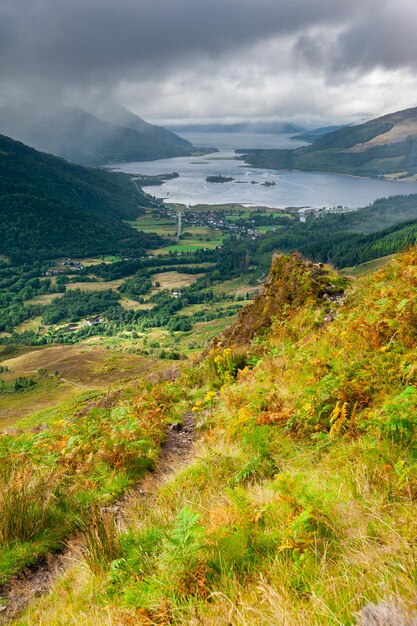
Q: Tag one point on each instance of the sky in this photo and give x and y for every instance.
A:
(311, 62)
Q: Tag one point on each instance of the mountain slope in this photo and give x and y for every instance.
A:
(300, 504)
(50, 208)
(83, 138)
(380, 147)
(122, 117)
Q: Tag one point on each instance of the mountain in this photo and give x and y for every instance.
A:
(386, 146)
(51, 208)
(83, 138)
(161, 136)
(241, 127)
(312, 135)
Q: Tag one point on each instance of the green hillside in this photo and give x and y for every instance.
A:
(83, 138)
(386, 146)
(297, 504)
(386, 226)
(51, 208)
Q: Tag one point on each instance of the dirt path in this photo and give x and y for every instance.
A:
(38, 580)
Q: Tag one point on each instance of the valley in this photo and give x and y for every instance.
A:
(161, 316)
(208, 313)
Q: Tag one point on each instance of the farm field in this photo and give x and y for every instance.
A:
(132, 305)
(103, 259)
(164, 226)
(47, 298)
(193, 238)
(173, 280)
(191, 245)
(99, 285)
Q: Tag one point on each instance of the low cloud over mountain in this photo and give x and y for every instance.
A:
(228, 59)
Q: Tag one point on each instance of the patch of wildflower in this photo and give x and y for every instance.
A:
(206, 402)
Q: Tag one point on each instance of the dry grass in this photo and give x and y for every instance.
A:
(400, 132)
(132, 305)
(270, 525)
(71, 603)
(84, 364)
(46, 298)
(174, 280)
(238, 287)
(366, 268)
(32, 324)
(46, 394)
(98, 286)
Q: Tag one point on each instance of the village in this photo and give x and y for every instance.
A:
(215, 220)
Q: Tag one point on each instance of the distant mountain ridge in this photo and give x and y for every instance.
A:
(84, 138)
(51, 208)
(385, 146)
(312, 135)
(267, 128)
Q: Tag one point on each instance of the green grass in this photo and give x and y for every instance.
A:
(89, 451)
(366, 268)
(190, 246)
(34, 405)
(299, 505)
(164, 227)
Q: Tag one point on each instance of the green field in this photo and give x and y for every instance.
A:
(191, 246)
(166, 227)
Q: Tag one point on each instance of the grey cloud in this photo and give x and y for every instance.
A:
(378, 36)
(200, 55)
(387, 39)
(86, 40)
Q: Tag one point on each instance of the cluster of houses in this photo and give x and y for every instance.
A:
(67, 264)
(320, 211)
(217, 220)
(75, 266)
(92, 321)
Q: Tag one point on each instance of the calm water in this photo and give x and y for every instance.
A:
(296, 189)
(235, 141)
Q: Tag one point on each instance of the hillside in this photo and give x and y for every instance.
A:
(161, 136)
(51, 208)
(386, 146)
(311, 135)
(343, 239)
(298, 505)
(83, 138)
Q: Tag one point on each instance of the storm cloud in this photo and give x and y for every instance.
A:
(228, 59)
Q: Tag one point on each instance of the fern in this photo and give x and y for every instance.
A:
(398, 420)
(185, 539)
(240, 499)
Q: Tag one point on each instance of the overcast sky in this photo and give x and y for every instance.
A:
(309, 61)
